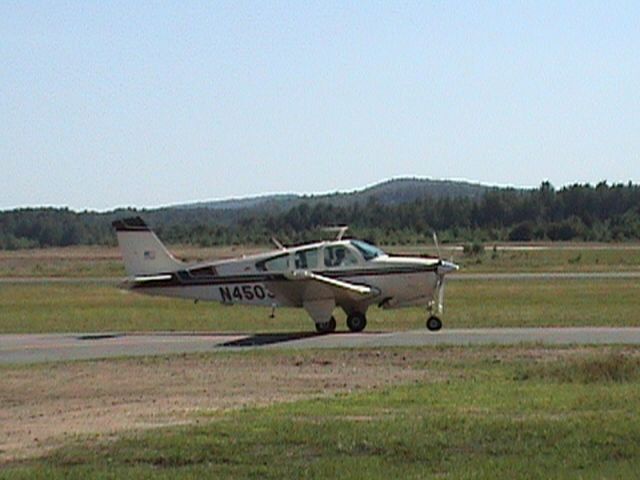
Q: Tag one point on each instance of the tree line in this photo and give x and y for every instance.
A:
(604, 212)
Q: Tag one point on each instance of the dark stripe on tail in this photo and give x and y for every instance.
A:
(133, 224)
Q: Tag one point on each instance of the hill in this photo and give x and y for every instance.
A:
(390, 192)
(400, 211)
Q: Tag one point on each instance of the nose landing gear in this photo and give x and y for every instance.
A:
(434, 323)
(436, 305)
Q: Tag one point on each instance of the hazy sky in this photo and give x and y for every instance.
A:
(106, 104)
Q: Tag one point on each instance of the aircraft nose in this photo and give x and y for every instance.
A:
(447, 267)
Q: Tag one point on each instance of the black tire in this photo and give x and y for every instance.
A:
(434, 323)
(356, 322)
(327, 327)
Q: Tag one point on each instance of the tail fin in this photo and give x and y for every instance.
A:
(141, 249)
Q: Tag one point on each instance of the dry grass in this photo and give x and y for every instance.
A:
(95, 261)
(616, 366)
(106, 261)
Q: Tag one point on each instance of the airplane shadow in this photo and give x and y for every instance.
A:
(99, 336)
(250, 340)
(254, 340)
(262, 339)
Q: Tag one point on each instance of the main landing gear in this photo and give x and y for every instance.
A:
(434, 323)
(326, 327)
(356, 322)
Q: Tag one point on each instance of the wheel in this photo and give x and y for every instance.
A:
(326, 327)
(434, 323)
(356, 322)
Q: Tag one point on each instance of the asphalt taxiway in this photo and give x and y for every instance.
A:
(34, 348)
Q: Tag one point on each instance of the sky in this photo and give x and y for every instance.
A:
(107, 103)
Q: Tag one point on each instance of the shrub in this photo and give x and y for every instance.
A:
(473, 249)
(522, 232)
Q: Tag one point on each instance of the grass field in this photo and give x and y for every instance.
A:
(480, 413)
(469, 303)
(512, 412)
(549, 257)
(106, 262)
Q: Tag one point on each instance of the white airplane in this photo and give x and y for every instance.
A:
(350, 274)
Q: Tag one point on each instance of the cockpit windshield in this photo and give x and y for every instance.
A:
(369, 252)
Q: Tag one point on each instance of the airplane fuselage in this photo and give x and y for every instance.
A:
(397, 281)
(318, 277)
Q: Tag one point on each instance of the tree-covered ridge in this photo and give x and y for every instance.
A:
(389, 192)
(602, 212)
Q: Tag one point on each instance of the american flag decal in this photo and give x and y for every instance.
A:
(149, 255)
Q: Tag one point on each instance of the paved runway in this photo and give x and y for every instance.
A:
(34, 348)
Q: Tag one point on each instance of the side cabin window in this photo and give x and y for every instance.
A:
(203, 272)
(339, 256)
(369, 252)
(275, 264)
(306, 259)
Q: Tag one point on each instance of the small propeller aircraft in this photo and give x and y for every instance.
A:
(346, 273)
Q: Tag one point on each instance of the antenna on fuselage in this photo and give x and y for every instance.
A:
(435, 241)
(341, 229)
(277, 243)
(437, 244)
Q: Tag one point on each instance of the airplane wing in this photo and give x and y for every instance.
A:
(319, 294)
(347, 286)
(151, 278)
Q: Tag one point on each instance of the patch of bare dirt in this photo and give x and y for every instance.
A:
(42, 405)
